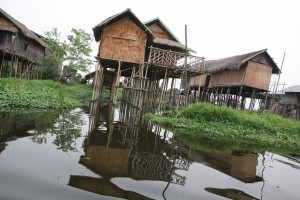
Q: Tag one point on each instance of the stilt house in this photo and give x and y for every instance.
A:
(142, 53)
(21, 50)
(245, 76)
(252, 71)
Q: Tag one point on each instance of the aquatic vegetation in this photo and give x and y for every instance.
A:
(224, 124)
(42, 94)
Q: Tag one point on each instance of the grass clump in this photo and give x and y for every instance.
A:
(226, 124)
(41, 94)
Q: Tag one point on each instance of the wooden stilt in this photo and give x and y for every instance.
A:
(2, 63)
(171, 93)
(11, 65)
(98, 79)
(115, 84)
(266, 98)
(227, 96)
(240, 93)
(252, 103)
(162, 89)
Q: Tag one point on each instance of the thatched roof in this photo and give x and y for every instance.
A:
(126, 13)
(23, 29)
(235, 62)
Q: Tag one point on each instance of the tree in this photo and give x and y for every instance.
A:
(56, 56)
(58, 47)
(73, 52)
(51, 68)
(79, 50)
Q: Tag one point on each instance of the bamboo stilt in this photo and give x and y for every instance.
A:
(115, 84)
(1, 64)
(251, 105)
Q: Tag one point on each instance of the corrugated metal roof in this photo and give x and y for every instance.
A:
(294, 88)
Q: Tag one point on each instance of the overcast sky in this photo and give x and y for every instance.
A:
(216, 28)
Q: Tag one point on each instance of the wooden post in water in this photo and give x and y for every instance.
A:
(114, 88)
(185, 66)
(98, 80)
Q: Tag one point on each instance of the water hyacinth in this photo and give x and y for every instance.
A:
(42, 94)
(223, 124)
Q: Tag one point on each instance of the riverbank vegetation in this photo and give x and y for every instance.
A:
(42, 94)
(224, 125)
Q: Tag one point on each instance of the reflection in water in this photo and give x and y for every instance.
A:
(131, 147)
(127, 148)
(239, 165)
(231, 194)
(121, 151)
(13, 126)
(104, 187)
(65, 127)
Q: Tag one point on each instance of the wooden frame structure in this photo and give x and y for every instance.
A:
(146, 55)
(21, 50)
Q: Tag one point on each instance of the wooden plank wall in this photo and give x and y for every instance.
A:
(123, 41)
(196, 81)
(258, 76)
(228, 78)
(291, 97)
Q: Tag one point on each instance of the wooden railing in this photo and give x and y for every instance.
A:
(172, 59)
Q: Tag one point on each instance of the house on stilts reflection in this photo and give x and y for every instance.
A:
(22, 51)
(229, 81)
(147, 55)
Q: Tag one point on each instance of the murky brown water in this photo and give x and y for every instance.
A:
(111, 154)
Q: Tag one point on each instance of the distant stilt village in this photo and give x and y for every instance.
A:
(155, 69)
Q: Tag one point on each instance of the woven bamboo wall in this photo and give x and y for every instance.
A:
(6, 25)
(159, 32)
(123, 41)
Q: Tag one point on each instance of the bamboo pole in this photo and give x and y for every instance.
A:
(185, 64)
(251, 105)
(162, 89)
(1, 64)
(164, 95)
(171, 91)
(240, 93)
(11, 65)
(114, 87)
